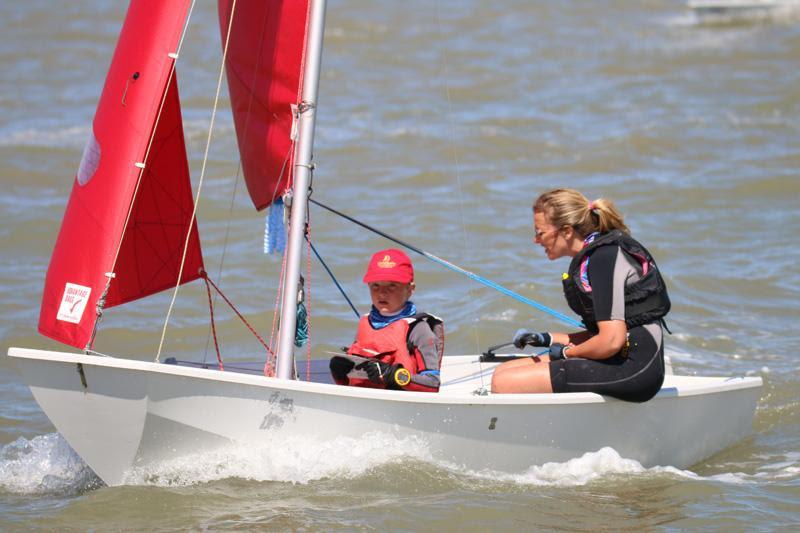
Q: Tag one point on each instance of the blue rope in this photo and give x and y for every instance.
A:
(508, 292)
(328, 270)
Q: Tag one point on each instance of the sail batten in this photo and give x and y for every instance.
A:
(130, 209)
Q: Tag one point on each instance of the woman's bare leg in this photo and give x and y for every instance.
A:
(531, 374)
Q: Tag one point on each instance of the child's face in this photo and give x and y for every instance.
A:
(389, 297)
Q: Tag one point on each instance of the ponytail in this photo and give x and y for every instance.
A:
(568, 207)
(607, 216)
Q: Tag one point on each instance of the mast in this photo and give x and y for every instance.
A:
(306, 120)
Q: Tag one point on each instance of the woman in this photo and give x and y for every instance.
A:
(613, 283)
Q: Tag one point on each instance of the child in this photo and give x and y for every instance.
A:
(396, 347)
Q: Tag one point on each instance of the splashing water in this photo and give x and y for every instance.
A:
(290, 460)
(580, 471)
(43, 465)
(47, 465)
(607, 463)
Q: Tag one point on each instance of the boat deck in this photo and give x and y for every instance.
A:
(319, 372)
(467, 375)
(460, 373)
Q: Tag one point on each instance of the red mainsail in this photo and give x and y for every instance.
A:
(131, 202)
(264, 66)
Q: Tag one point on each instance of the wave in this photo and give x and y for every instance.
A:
(288, 460)
(54, 136)
(725, 12)
(44, 465)
(592, 466)
(606, 464)
(47, 137)
(47, 465)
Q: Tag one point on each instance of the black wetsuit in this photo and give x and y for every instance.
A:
(635, 373)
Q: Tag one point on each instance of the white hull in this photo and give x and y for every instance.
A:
(131, 414)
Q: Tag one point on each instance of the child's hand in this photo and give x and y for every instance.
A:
(377, 371)
(340, 367)
(385, 374)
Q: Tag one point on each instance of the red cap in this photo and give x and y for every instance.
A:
(389, 265)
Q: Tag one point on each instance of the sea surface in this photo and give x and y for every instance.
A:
(439, 122)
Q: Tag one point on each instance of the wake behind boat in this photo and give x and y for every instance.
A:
(130, 231)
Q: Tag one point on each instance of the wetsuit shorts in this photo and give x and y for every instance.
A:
(635, 378)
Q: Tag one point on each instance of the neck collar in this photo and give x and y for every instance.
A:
(378, 321)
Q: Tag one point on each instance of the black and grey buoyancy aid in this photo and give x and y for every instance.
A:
(646, 300)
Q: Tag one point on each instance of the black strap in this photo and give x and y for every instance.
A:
(419, 317)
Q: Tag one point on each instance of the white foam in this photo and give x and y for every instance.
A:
(589, 467)
(348, 458)
(44, 464)
(289, 460)
(607, 463)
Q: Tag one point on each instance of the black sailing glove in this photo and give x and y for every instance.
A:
(524, 338)
(384, 374)
(340, 367)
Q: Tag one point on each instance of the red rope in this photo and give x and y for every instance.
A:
(204, 275)
(213, 326)
(308, 300)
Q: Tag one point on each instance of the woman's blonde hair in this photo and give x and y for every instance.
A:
(568, 207)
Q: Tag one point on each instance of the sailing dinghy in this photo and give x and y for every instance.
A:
(130, 231)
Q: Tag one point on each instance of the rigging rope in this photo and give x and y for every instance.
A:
(222, 257)
(246, 130)
(301, 306)
(454, 148)
(456, 268)
(269, 364)
(110, 275)
(213, 325)
(199, 183)
(335, 281)
(208, 280)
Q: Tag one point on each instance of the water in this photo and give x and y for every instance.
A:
(440, 122)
